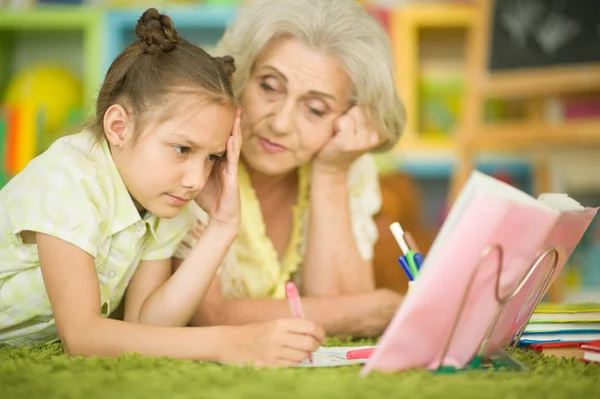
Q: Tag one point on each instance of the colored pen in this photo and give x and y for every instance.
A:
(359, 353)
(410, 241)
(418, 260)
(398, 234)
(291, 292)
(406, 267)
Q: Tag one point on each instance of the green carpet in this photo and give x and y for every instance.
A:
(45, 372)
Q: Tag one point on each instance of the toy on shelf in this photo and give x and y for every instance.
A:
(39, 103)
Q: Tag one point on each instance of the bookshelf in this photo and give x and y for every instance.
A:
(81, 41)
(407, 27)
(78, 30)
(201, 24)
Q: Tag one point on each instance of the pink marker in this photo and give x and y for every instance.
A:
(359, 353)
(291, 292)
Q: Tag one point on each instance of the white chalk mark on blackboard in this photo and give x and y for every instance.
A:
(519, 17)
(555, 32)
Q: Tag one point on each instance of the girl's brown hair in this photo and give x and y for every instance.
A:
(160, 64)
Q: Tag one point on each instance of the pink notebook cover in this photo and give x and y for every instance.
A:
(565, 236)
(419, 331)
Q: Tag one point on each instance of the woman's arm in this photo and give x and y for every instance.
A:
(333, 265)
(154, 296)
(366, 314)
(72, 286)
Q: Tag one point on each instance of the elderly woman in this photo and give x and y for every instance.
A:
(315, 82)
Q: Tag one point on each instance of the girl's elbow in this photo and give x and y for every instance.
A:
(75, 346)
(78, 340)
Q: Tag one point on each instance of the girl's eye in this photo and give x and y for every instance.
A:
(182, 149)
(215, 157)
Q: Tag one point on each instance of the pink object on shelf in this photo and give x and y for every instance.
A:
(581, 108)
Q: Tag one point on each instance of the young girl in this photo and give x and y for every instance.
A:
(102, 212)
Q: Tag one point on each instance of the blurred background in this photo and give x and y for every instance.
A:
(538, 131)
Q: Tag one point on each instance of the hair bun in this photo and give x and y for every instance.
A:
(227, 65)
(156, 32)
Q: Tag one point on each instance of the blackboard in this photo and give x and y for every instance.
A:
(544, 33)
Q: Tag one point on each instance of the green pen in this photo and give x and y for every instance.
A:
(410, 259)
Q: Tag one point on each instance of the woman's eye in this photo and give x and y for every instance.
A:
(266, 87)
(182, 149)
(215, 157)
(317, 112)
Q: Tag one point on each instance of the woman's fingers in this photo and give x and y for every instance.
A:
(356, 132)
(346, 132)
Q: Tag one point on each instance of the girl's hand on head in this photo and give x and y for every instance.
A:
(220, 197)
(353, 136)
(283, 342)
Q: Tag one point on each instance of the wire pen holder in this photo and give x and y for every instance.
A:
(502, 358)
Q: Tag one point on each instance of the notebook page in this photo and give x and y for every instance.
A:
(333, 356)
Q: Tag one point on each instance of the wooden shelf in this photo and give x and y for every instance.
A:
(104, 32)
(438, 15)
(49, 18)
(84, 20)
(540, 83)
(517, 136)
(410, 143)
(405, 26)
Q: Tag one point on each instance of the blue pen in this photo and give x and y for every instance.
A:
(406, 268)
(418, 260)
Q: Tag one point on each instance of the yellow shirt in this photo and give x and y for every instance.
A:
(251, 268)
(74, 192)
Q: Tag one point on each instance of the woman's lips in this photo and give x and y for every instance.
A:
(270, 147)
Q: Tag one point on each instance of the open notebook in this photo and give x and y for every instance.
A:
(486, 212)
(333, 356)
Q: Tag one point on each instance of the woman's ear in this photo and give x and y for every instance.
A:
(115, 125)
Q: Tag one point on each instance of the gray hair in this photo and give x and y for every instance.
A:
(342, 28)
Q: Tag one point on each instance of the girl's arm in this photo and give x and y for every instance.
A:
(72, 286)
(366, 314)
(156, 297)
(333, 265)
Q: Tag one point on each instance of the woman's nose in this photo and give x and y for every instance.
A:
(282, 120)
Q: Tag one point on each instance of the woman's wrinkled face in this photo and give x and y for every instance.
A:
(291, 101)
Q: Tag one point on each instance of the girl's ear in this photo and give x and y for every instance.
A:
(115, 125)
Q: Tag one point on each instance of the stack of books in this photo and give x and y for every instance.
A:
(563, 329)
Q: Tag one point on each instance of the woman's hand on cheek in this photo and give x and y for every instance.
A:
(220, 197)
(353, 136)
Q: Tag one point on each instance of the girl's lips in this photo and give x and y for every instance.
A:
(177, 200)
(270, 147)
